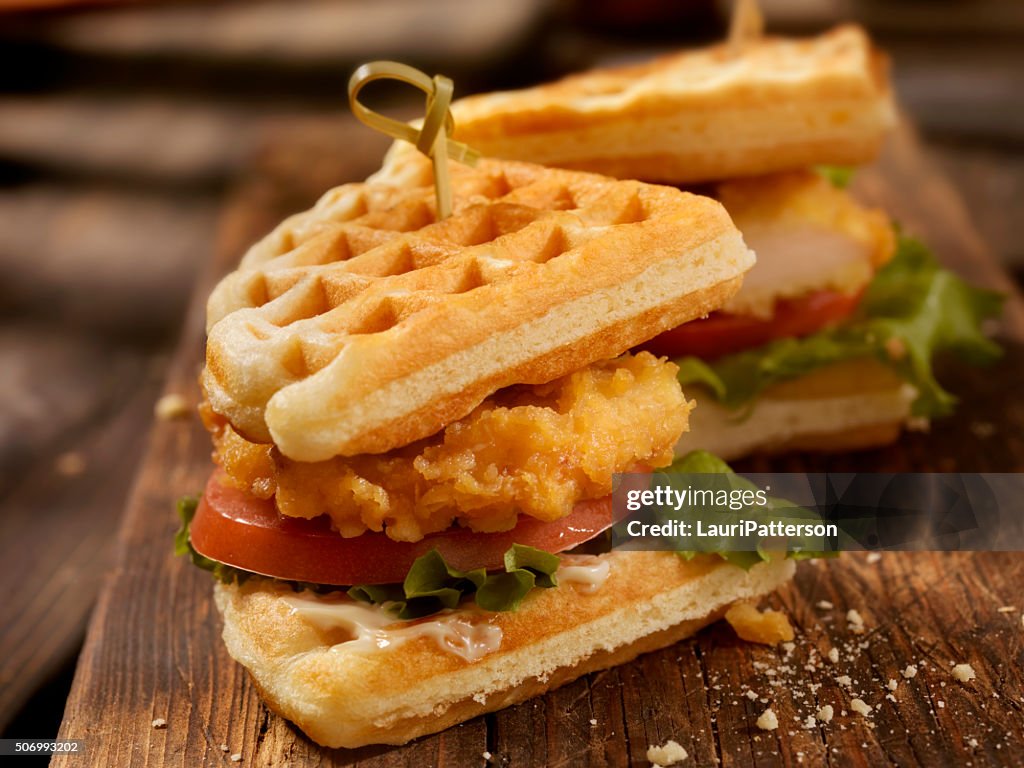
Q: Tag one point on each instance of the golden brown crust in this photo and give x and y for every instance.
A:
(328, 350)
(698, 115)
(349, 698)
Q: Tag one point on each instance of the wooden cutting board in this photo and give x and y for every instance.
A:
(153, 648)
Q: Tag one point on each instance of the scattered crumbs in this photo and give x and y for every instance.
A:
(941, 703)
(983, 429)
(789, 647)
(855, 621)
(845, 681)
(768, 721)
(70, 464)
(593, 721)
(751, 695)
(669, 753)
(223, 747)
(159, 723)
(873, 557)
(964, 672)
(861, 707)
(910, 671)
(810, 722)
(1007, 609)
(766, 627)
(486, 756)
(171, 406)
(825, 605)
(972, 743)
(825, 714)
(890, 697)
(892, 684)
(236, 758)
(833, 655)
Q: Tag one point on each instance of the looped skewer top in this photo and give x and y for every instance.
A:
(747, 25)
(432, 139)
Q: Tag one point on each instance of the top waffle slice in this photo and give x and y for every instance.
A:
(364, 324)
(700, 115)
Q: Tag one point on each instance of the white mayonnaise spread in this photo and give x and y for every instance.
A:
(372, 627)
(587, 573)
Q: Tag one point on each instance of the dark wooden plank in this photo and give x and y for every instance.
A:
(57, 527)
(153, 648)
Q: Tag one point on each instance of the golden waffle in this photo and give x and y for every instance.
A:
(364, 324)
(700, 115)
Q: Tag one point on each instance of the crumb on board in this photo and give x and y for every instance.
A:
(855, 621)
(873, 557)
(964, 672)
(486, 756)
(159, 723)
(825, 714)
(768, 627)
(171, 406)
(223, 747)
(70, 464)
(861, 707)
(669, 753)
(833, 655)
(825, 605)
(892, 684)
(768, 721)
(910, 671)
(1007, 609)
(593, 721)
(236, 758)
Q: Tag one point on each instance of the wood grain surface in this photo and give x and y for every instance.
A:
(153, 648)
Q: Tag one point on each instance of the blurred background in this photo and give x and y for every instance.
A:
(124, 126)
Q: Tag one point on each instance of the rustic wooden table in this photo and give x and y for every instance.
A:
(153, 648)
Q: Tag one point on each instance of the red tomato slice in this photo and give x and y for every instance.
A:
(232, 527)
(723, 334)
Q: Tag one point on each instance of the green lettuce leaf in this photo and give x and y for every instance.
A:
(432, 585)
(912, 310)
(839, 176)
(705, 463)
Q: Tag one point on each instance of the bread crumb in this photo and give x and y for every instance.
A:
(833, 655)
(1007, 608)
(855, 621)
(893, 685)
(751, 695)
(964, 672)
(890, 697)
(768, 721)
(941, 703)
(70, 464)
(593, 721)
(159, 723)
(845, 681)
(825, 714)
(810, 722)
(789, 647)
(972, 743)
(861, 707)
(486, 756)
(873, 558)
(236, 758)
(768, 628)
(910, 671)
(223, 747)
(171, 406)
(669, 753)
(825, 605)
